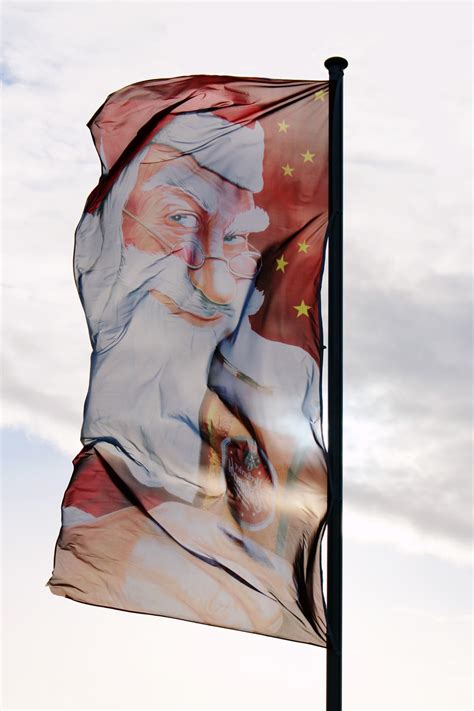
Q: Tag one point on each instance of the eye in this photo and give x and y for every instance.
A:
(184, 219)
(235, 239)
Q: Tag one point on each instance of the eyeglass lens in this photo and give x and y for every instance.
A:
(241, 264)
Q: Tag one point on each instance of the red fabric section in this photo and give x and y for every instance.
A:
(297, 206)
(92, 489)
(97, 490)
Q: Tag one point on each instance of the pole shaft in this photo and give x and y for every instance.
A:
(336, 66)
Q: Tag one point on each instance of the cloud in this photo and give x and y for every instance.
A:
(408, 337)
(408, 382)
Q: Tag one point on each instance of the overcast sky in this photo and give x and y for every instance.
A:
(408, 345)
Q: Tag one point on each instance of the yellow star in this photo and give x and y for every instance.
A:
(281, 264)
(308, 156)
(283, 126)
(303, 247)
(319, 95)
(302, 309)
(287, 170)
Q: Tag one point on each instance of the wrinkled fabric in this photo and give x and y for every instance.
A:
(201, 489)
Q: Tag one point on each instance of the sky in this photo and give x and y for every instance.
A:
(407, 340)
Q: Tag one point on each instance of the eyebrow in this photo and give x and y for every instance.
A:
(253, 220)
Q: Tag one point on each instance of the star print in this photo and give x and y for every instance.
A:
(287, 170)
(302, 309)
(303, 247)
(319, 95)
(283, 126)
(281, 264)
(308, 156)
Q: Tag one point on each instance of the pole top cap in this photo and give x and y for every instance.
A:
(336, 63)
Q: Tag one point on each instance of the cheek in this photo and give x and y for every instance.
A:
(141, 204)
(135, 236)
(131, 235)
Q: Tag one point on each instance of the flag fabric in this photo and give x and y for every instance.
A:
(200, 492)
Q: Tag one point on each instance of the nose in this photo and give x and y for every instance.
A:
(214, 280)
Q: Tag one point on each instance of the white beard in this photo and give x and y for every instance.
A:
(145, 393)
(150, 371)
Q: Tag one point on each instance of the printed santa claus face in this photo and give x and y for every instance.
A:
(183, 211)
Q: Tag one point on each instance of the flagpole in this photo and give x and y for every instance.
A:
(335, 66)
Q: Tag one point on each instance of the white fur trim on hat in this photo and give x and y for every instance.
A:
(231, 150)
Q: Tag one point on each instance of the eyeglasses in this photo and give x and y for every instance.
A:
(244, 265)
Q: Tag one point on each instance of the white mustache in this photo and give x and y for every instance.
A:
(198, 304)
(169, 275)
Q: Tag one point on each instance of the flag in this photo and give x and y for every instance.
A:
(200, 492)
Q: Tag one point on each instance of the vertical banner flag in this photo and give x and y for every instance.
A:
(201, 489)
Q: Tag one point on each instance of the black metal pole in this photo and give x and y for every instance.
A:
(335, 66)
